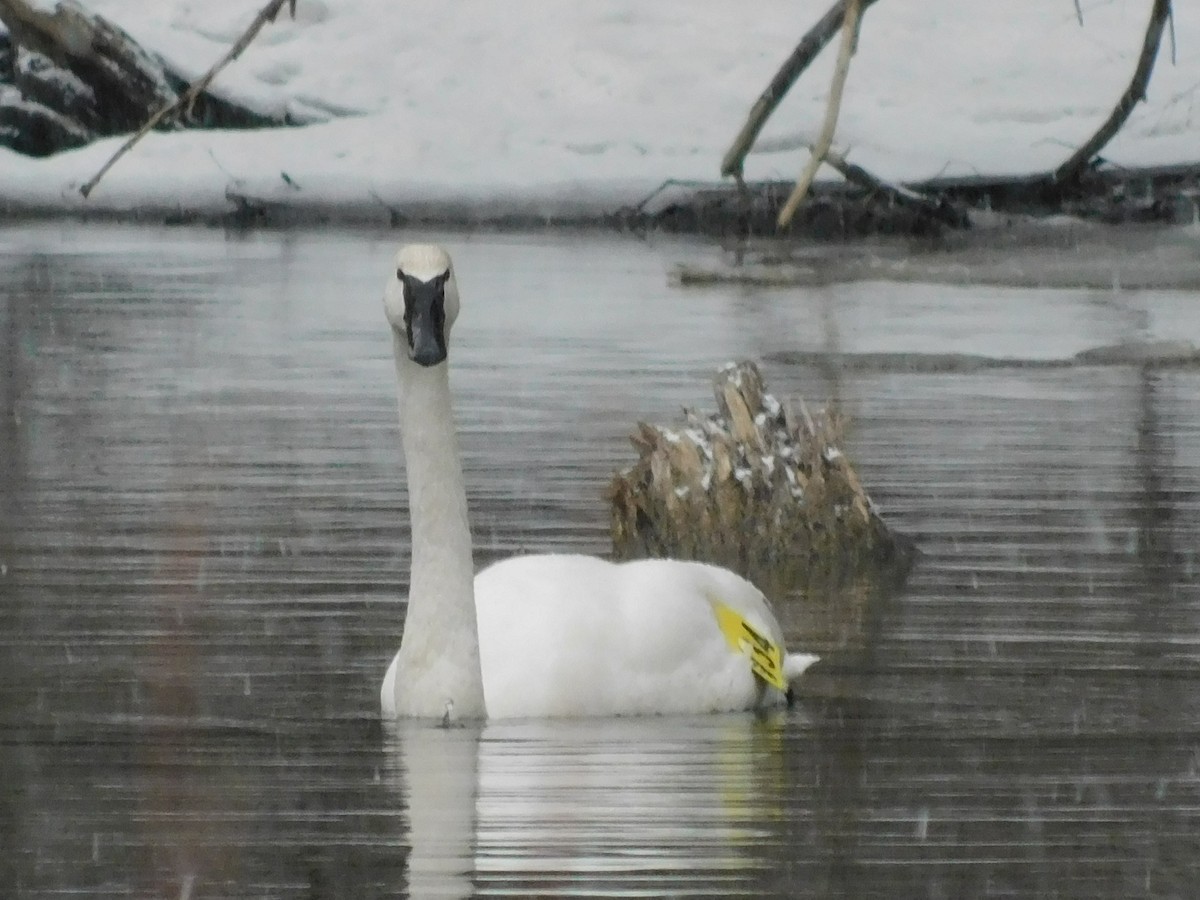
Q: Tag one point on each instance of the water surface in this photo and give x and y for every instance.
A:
(203, 550)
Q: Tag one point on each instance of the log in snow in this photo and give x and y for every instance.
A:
(69, 76)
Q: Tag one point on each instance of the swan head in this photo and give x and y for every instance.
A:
(421, 301)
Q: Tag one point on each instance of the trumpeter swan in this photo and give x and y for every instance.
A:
(548, 635)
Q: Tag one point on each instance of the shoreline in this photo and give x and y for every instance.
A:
(1133, 229)
(834, 211)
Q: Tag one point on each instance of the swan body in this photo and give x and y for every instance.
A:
(545, 635)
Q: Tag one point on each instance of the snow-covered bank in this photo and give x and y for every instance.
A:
(496, 110)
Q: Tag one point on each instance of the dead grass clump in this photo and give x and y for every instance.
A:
(759, 487)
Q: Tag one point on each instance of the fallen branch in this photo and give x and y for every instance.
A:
(825, 138)
(806, 51)
(899, 193)
(267, 14)
(1070, 170)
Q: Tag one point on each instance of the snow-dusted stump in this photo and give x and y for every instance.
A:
(756, 487)
(70, 76)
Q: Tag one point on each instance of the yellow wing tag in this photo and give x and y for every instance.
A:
(766, 659)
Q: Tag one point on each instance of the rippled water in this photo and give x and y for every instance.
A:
(202, 551)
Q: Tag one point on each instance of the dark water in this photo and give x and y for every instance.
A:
(202, 551)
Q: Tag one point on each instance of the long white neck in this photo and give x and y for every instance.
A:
(438, 661)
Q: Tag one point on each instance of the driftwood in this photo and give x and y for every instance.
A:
(1078, 162)
(760, 487)
(123, 79)
(825, 139)
(856, 207)
(39, 109)
(69, 76)
(185, 101)
(1047, 191)
(806, 51)
(844, 16)
(936, 208)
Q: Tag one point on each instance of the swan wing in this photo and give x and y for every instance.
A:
(566, 635)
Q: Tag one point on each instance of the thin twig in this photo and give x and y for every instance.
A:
(1079, 13)
(188, 97)
(825, 138)
(1171, 32)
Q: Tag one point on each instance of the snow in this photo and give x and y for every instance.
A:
(553, 108)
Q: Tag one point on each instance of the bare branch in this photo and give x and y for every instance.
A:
(825, 138)
(1079, 160)
(806, 51)
(188, 97)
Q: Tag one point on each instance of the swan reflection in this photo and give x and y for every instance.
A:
(645, 805)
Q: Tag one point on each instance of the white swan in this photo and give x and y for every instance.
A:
(552, 635)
